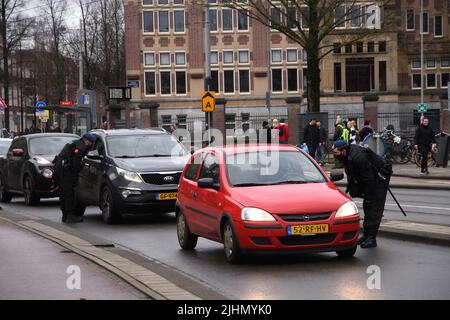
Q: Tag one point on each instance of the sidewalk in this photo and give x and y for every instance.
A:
(410, 170)
(32, 267)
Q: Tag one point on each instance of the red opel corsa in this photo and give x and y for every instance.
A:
(264, 199)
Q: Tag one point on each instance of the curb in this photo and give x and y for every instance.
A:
(409, 186)
(444, 178)
(144, 280)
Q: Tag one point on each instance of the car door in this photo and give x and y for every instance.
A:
(209, 201)
(90, 175)
(15, 164)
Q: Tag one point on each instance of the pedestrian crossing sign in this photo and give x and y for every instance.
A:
(209, 101)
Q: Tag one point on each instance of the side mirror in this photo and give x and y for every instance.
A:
(18, 152)
(208, 183)
(336, 176)
(94, 155)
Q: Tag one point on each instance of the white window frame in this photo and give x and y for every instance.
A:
(249, 81)
(435, 80)
(223, 57)
(237, 22)
(175, 58)
(281, 18)
(296, 18)
(282, 80)
(178, 4)
(234, 81)
(147, 5)
(184, 21)
(442, 26)
(162, 4)
(301, 18)
(218, 79)
(217, 55)
(248, 56)
(170, 59)
(287, 55)
(217, 20)
(406, 19)
(145, 84)
(143, 22)
(345, 17)
(168, 21)
(430, 68)
(185, 82)
(445, 58)
(412, 81)
(154, 59)
(232, 21)
(412, 64)
(304, 59)
(170, 83)
(271, 56)
(445, 86)
(425, 23)
(360, 16)
(298, 82)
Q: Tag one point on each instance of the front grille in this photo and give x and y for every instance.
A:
(261, 241)
(305, 217)
(305, 240)
(161, 179)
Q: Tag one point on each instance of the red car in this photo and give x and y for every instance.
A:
(264, 199)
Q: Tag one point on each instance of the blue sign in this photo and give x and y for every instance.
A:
(41, 104)
(133, 83)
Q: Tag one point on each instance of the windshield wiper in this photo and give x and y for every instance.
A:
(289, 182)
(154, 156)
(249, 184)
(125, 157)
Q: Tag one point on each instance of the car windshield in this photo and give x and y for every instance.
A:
(4, 146)
(143, 146)
(275, 168)
(49, 146)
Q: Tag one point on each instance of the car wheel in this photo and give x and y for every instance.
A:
(5, 196)
(31, 199)
(186, 239)
(110, 214)
(347, 253)
(230, 244)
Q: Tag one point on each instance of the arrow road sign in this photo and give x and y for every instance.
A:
(208, 101)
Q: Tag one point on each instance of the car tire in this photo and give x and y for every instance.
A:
(231, 245)
(347, 253)
(31, 199)
(5, 196)
(110, 214)
(186, 239)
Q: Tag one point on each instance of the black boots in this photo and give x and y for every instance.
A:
(369, 242)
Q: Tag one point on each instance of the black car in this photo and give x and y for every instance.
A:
(132, 171)
(27, 168)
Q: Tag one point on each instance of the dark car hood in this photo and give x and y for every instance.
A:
(43, 160)
(152, 164)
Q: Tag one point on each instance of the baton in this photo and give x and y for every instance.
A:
(392, 194)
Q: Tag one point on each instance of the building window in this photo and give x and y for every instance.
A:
(305, 78)
(163, 21)
(304, 56)
(431, 63)
(355, 15)
(445, 62)
(166, 121)
(415, 64)
(214, 57)
(165, 82)
(178, 16)
(164, 59)
(382, 75)
(336, 47)
(292, 80)
(213, 19)
(214, 81)
(370, 46)
(337, 77)
(180, 58)
(416, 81)
(425, 22)
(163, 2)
(228, 57)
(227, 20)
(382, 46)
(244, 81)
(291, 18)
(431, 80)
(243, 57)
(147, 2)
(339, 16)
(242, 20)
(410, 20)
(180, 77)
(438, 26)
(149, 59)
(150, 88)
(230, 121)
(228, 80)
(359, 47)
(148, 21)
(277, 80)
(348, 48)
(178, 2)
(305, 14)
(182, 122)
(292, 55)
(275, 14)
(276, 56)
(445, 79)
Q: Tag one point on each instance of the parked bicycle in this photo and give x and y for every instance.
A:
(396, 149)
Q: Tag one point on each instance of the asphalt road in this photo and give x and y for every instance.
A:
(408, 270)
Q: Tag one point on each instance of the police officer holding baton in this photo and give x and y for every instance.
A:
(67, 167)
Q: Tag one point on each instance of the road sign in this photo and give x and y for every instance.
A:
(208, 101)
(133, 83)
(66, 103)
(119, 93)
(41, 104)
(44, 115)
(422, 107)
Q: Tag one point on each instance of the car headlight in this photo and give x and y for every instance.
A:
(255, 214)
(131, 176)
(47, 173)
(347, 209)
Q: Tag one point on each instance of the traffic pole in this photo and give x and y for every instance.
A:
(208, 65)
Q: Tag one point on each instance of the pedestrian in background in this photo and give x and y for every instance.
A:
(283, 131)
(268, 131)
(322, 149)
(366, 130)
(424, 142)
(353, 137)
(311, 137)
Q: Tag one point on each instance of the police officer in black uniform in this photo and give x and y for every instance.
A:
(368, 177)
(67, 167)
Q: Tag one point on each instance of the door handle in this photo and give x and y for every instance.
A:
(194, 195)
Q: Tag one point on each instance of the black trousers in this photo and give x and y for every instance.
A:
(373, 206)
(312, 149)
(424, 151)
(67, 197)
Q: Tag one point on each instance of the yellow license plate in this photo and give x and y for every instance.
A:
(167, 196)
(307, 229)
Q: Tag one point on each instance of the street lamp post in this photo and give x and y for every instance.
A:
(422, 80)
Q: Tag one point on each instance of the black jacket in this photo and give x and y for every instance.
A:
(424, 136)
(70, 157)
(323, 135)
(361, 174)
(311, 135)
(364, 132)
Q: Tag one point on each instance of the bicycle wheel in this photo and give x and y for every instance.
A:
(417, 157)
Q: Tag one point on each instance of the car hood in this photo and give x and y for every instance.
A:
(44, 160)
(291, 198)
(152, 164)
